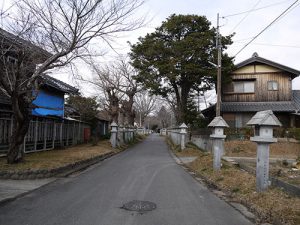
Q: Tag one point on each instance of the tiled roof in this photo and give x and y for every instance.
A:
(296, 98)
(256, 59)
(48, 81)
(258, 106)
(103, 115)
(69, 110)
(58, 84)
(280, 106)
(15, 40)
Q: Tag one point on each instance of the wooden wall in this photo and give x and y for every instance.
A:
(240, 119)
(260, 75)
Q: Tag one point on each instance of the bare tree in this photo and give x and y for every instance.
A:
(117, 84)
(130, 89)
(144, 105)
(165, 116)
(65, 29)
(108, 83)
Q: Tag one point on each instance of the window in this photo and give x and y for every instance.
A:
(272, 86)
(243, 87)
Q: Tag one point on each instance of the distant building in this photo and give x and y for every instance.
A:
(259, 84)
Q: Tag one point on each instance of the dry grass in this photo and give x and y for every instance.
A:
(248, 149)
(272, 205)
(282, 171)
(57, 158)
(191, 150)
(61, 157)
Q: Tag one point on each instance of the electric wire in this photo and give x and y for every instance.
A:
(275, 45)
(253, 10)
(269, 25)
(245, 16)
(295, 6)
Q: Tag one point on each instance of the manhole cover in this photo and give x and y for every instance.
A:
(139, 206)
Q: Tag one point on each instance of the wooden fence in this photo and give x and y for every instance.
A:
(44, 134)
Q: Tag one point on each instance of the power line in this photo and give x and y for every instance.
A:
(276, 45)
(253, 10)
(245, 16)
(277, 18)
(295, 6)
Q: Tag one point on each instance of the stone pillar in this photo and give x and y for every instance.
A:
(114, 132)
(132, 133)
(263, 121)
(262, 167)
(218, 149)
(183, 132)
(123, 136)
(218, 124)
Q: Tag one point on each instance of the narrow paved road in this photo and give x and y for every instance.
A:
(94, 197)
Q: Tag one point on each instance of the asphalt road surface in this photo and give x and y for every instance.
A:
(146, 172)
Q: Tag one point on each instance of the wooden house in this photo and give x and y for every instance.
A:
(259, 84)
(48, 126)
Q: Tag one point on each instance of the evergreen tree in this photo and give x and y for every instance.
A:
(174, 60)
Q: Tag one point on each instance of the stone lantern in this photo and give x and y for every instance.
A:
(263, 122)
(183, 131)
(114, 131)
(218, 124)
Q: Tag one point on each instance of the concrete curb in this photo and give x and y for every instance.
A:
(60, 171)
(10, 199)
(69, 169)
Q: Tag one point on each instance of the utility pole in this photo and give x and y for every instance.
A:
(219, 47)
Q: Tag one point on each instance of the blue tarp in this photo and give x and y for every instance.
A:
(48, 104)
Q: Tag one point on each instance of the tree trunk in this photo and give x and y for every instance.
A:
(131, 118)
(113, 106)
(20, 125)
(114, 114)
(181, 109)
(128, 109)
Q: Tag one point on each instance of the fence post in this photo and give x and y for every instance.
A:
(79, 132)
(61, 135)
(183, 131)
(114, 131)
(67, 135)
(54, 134)
(11, 125)
(24, 144)
(218, 124)
(45, 135)
(36, 134)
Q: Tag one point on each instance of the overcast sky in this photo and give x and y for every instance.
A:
(279, 43)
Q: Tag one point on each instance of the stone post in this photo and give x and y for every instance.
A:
(114, 132)
(132, 133)
(183, 132)
(218, 124)
(129, 133)
(264, 121)
(120, 135)
(125, 135)
(262, 166)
